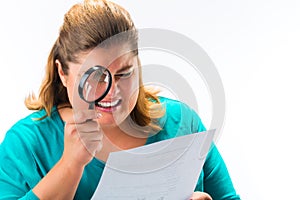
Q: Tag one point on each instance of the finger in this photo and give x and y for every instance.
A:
(93, 147)
(87, 126)
(83, 116)
(91, 136)
(73, 116)
(92, 141)
(99, 146)
(200, 196)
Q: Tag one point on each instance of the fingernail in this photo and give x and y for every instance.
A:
(98, 115)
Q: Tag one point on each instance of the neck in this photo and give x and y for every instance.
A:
(124, 137)
(116, 139)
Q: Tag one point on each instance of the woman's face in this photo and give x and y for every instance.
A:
(122, 97)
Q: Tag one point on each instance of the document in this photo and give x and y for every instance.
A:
(164, 170)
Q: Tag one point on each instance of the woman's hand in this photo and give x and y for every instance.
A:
(83, 138)
(200, 196)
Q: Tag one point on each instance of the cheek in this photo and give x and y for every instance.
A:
(134, 93)
(75, 100)
(130, 90)
(132, 84)
(70, 89)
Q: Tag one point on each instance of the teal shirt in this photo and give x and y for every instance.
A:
(32, 147)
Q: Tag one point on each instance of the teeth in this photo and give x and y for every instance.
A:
(108, 104)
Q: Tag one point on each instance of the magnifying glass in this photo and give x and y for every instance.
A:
(94, 85)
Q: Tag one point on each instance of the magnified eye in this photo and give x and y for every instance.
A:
(94, 85)
(98, 76)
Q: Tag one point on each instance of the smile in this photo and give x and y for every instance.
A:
(109, 104)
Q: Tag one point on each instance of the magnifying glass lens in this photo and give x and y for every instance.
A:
(95, 84)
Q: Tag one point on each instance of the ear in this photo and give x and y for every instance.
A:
(63, 77)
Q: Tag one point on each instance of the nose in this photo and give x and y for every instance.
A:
(114, 89)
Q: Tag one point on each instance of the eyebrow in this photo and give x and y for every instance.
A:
(124, 68)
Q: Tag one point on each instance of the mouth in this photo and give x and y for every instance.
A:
(109, 104)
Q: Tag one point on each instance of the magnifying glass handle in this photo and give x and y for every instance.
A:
(91, 106)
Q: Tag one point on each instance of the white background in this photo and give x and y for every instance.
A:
(255, 46)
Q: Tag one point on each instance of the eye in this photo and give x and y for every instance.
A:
(125, 74)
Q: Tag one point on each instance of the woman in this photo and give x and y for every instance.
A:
(59, 151)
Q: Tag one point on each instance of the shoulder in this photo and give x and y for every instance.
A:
(175, 106)
(29, 149)
(180, 119)
(30, 129)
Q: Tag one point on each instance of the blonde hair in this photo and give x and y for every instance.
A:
(85, 26)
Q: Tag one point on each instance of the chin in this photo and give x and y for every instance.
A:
(109, 121)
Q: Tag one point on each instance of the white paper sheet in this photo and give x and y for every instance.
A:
(163, 170)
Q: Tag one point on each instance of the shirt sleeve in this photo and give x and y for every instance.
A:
(214, 179)
(15, 159)
(217, 181)
(30, 196)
